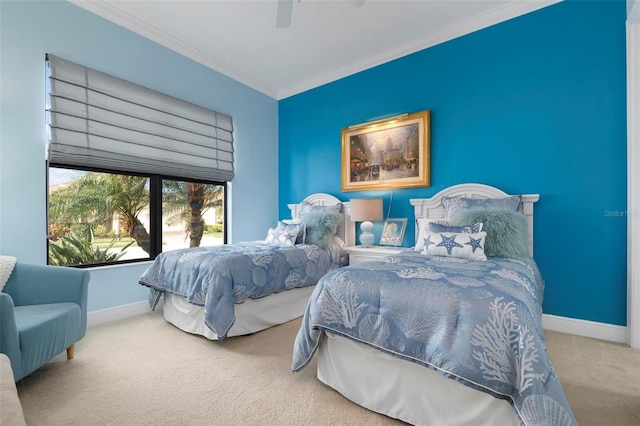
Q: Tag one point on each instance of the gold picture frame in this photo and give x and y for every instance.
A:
(387, 154)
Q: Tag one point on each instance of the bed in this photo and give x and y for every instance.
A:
(237, 289)
(448, 332)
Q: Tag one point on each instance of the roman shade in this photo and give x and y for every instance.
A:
(101, 121)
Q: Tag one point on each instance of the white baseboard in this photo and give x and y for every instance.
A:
(117, 312)
(596, 330)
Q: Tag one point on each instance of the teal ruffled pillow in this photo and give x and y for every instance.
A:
(507, 231)
(321, 226)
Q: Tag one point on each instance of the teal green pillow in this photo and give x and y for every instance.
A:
(321, 226)
(507, 231)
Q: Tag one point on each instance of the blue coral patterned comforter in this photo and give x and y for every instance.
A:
(217, 277)
(477, 322)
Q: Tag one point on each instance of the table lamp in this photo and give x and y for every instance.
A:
(365, 210)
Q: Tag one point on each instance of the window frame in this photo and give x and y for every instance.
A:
(155, 209)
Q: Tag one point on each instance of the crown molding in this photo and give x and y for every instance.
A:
(503, 13)
(141, 28)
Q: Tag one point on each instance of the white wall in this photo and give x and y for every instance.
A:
(633, 171)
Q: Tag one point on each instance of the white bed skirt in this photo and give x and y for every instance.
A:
(251, 316)
(403, 389)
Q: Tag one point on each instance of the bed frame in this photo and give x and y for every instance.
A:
(346, 230)
(258, 314)
(432, 207)
(402, 389)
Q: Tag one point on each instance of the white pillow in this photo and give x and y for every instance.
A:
(294, 223)
(278, 237)
(424, 226)
(7, 263)
(455, 244)
(422, 223)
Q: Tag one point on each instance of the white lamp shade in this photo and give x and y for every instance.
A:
(363, 209)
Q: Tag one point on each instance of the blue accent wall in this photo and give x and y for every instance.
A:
(533, 105)
(29, 30)
(536, 104)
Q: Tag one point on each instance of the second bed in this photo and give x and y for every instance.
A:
(449, 333)
(242, 288)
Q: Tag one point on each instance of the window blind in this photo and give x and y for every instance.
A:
(98, 120)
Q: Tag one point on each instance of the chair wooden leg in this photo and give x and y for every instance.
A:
(70, 350)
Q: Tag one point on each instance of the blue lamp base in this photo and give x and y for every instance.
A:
(366, 236)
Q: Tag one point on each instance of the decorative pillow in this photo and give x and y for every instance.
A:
(422, 225)
(425, 225)
(453, 205)
(507, 231)
(321, 226)
(293, 224)
(307, 208)
(456, 244)
(445, 227)
(7, 263)
(281, 237)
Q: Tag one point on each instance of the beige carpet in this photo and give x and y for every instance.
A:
(144, 371)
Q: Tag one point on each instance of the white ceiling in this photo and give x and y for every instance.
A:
(327, 39)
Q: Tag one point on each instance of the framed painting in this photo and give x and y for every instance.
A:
(393, 232)
(387, 154)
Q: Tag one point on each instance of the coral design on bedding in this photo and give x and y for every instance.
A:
(476, 322)
(218, 277)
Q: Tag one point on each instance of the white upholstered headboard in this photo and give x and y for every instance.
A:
(346, 231)
(432, 207)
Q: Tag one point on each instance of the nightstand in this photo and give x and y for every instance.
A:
(359, 254)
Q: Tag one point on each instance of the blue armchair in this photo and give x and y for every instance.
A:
(43, 311)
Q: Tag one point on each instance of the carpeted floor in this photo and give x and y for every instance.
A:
(144, 371)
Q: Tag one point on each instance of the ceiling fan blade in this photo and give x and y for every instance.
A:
(283, 18)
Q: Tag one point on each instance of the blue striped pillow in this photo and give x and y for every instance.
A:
(467, 229)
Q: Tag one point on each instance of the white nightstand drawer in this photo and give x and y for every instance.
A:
(359, 254)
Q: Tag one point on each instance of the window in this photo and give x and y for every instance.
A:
(193, 214)
(132, 172)
(98, 217)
